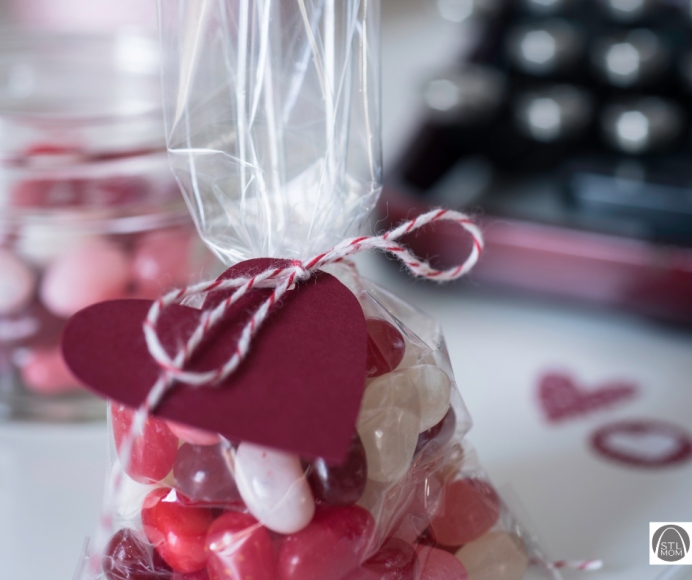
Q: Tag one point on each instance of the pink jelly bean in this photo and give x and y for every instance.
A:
(44, 371)
(439, 565)
(153, 453)
(17, 283)
(193, 435)
(92, 273)
(395, 560)
(161, 261)
(468, 509)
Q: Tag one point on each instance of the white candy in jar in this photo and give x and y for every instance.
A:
(274, 488)
(42, 243)
(17, 283)
(389, 424)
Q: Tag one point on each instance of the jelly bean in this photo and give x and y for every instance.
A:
(385, 347)
(17, 283)
(388, 425)
(416, 353)
(153, 452)
(395, 560)
(92, 273)
(41, 244)
(193, 435)
(199, 575)
(469, 508)
(438, 435)
(340, 484)
(31, 327)
(43, 370)
(437, 564)
(434, 391)
(127, 558)
(414, 517)
(496, 556)
(161, 260)
(238, 547)
(332, 545)
(202, 473)
(274, 488)
(176, 531)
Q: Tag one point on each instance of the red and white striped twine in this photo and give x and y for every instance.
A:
(281, 280)
(583, 565)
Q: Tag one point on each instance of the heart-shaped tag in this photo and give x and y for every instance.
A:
(561, 398)
(299, 389)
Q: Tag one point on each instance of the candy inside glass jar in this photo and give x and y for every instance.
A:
(89, 210)
(408, 503)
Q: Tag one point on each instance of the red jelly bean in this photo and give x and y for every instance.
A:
(239, 547)
(396, 560)
(386, 347)
(438, 434)
(199, 575)
(177, 532)
(340, 484)
(469, 508)
(332, 545)
(152, 453)
(202, 473)
(439, 565)
(127, 558)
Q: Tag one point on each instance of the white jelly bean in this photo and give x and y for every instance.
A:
(16, 283)
(92, 273)
(495, 556)
(389, 424)
(434, 392)
(274, 488)
(416, 353)
(40, 244)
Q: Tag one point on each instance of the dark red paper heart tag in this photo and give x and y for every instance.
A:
(299, 389)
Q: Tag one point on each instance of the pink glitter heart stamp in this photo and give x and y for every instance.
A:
(561, 397)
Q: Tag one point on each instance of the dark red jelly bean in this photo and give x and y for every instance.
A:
(340, 484)
(386, 347)
(127, 558)
(178, 532)
(153, 452)
(396, 560)
(438, 434)
(239, 547)
(203, 474)
(331, 546)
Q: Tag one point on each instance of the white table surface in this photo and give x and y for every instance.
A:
(51, 477)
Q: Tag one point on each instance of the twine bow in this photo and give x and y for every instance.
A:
(281, 280)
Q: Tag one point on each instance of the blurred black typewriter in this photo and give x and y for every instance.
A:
(568, 127)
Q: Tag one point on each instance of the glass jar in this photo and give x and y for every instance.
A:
(89, 209)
